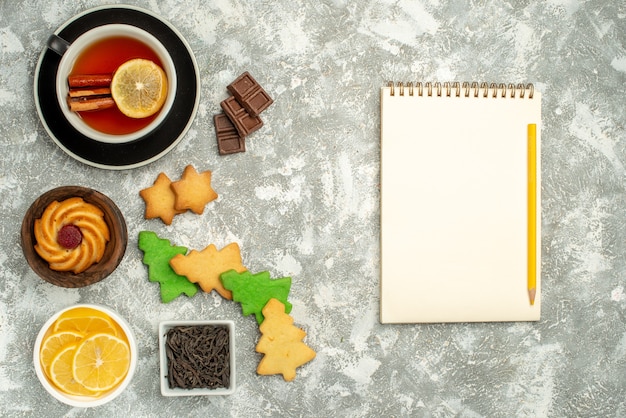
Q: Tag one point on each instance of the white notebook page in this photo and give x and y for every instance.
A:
(454, 208)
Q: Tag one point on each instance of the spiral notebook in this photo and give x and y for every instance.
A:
(460, 202)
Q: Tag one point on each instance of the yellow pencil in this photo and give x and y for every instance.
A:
(532, 212)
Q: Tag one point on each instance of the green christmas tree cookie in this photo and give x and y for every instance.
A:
(253, 291)
(157, 255)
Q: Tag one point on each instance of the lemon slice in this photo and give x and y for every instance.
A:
(85, 321)
(61, 373)
(53, 344)
(101, 362)
(139, 88)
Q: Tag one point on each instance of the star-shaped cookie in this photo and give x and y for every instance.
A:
(193, 191)
(160, 200)
(204, 267)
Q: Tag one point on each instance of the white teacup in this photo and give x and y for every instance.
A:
(70, 53)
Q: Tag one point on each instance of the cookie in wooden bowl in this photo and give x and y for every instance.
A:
(73, 236)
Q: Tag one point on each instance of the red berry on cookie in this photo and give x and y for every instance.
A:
(69, 236)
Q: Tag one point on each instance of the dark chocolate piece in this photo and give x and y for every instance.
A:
(244, 123)
(228, 139)
(250, 94)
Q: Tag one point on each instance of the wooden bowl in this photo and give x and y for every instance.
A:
(113, 254)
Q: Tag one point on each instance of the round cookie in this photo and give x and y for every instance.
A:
(94, 232)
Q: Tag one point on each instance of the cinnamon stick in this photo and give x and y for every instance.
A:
(97, 91)
(89, 80)
(86, 104)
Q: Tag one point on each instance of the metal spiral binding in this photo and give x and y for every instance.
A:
(465, 89)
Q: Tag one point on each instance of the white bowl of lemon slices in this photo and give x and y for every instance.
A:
(85, 355)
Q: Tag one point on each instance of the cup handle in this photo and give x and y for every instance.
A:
(57, 44)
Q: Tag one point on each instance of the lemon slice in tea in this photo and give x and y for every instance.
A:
(139, 88)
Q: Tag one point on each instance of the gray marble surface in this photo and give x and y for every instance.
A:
(303, 200)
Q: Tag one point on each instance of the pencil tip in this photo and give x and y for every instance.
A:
(531, 294)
